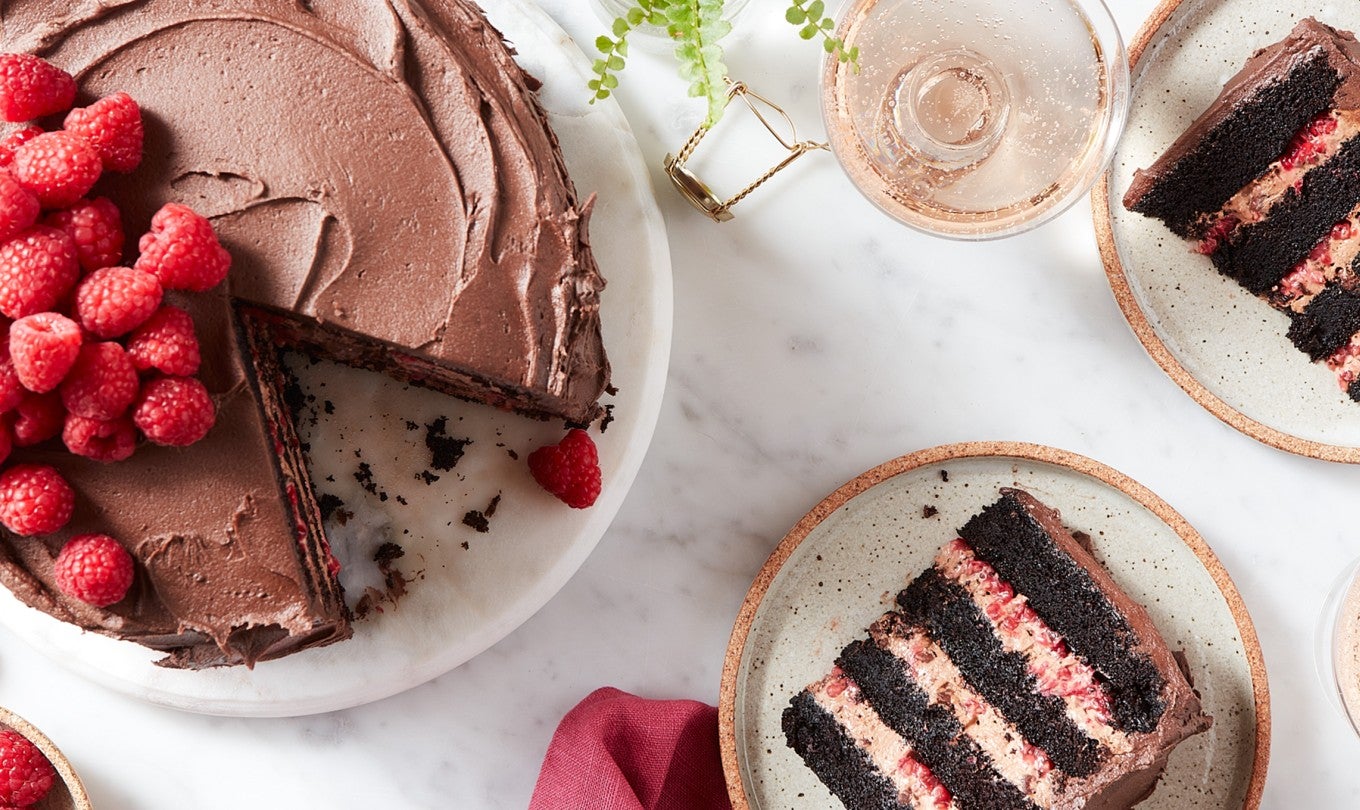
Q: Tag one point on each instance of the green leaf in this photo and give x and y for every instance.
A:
(604, 44)
(602, 93)
(616, 62)
(610, 81)
(621, 27)
(795, 15)
(828, 24)
(621, 48)
(599, 67)
(829, 45)
(854, 54)
(815, 9)
(636, 16)
(593, 84)
(809, 31)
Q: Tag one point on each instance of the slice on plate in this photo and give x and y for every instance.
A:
(1264, 183)
(1014, 673)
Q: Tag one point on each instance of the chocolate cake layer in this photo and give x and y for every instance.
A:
(385, 179)
(1246, 128)
(947, 614)
(936, 736)
(1261, 254)
(1009, 536)
(1328, 323)
(842, 766)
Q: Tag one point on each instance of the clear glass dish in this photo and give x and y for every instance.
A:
(1337, 635)
(976, 119)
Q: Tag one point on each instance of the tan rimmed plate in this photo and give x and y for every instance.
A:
(841, 565)
(1226, 348)
(67, 792)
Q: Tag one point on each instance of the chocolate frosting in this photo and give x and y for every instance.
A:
(382, 174)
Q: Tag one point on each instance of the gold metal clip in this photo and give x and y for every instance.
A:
(698, 192)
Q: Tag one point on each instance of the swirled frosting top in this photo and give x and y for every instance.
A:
(378, 165)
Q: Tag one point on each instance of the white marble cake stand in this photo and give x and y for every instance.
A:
(461, 600)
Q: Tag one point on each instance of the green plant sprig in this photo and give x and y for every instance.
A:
(696, 26)
(811, 21)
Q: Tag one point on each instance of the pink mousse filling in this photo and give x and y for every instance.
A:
(893, 756)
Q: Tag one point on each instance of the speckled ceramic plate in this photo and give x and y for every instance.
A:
(841, 566)
(1226, 348)
(467, 589)
(67, 793)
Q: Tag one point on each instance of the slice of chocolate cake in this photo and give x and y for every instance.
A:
(1267, 184)
(1014, 673)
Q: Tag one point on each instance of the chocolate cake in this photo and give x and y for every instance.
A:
(393, 198)
(1014, 673)
(1267, 184)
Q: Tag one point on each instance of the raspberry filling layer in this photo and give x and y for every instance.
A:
(1310, 146)
(917, 786)
(1346, 363)
(1023, 765)
(1329, 260)
(1057, 671)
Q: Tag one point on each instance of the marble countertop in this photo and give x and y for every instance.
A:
(860, 340)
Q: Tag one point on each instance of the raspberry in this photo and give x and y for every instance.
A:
(25, 774)
(102, 383)
(44, 347)
(569, 469)
(18, 207)
(11, 390)
(58, 167)
(37, 269)
(32, 88)
(35, 499)
(166, 342)
(94, 568)
(182, 250)
(96, 228)
(174, 410)
(116, 300)
(38, 417)
(14, 140)
(113, 126)
(101, 440)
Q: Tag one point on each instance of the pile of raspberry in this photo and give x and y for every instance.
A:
(92, 355)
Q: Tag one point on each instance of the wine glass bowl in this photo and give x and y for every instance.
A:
(1336, 645)
(976, 119)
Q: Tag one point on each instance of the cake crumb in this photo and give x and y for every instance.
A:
(944, 476)
(395, 583)
(427, 476)
(481, 520)
(328, 504)
(445, 450)
(608, 417)
(929, 511)
(364, 475)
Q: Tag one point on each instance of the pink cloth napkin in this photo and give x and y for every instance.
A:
(617, 751)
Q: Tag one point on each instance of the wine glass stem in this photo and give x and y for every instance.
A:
(948, 110)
